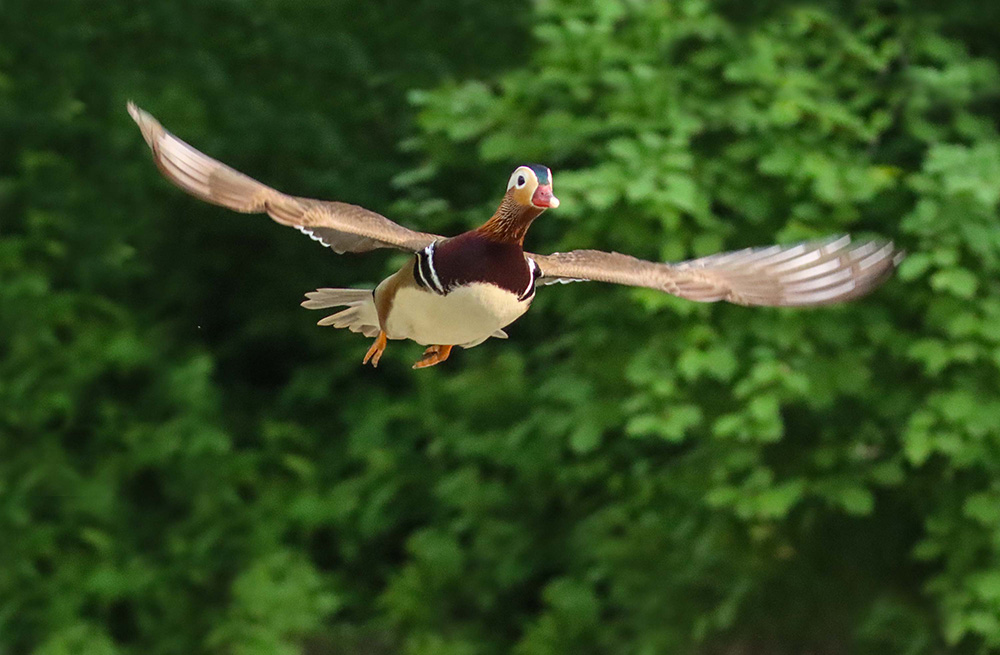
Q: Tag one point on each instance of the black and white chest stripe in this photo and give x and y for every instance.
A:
(424, 272)
(535, 272)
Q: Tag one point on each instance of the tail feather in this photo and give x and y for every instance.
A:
(360, 315)
(323, 298)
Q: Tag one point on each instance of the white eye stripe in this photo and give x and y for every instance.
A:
(518, 178)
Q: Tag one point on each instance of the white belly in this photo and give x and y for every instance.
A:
(467, 315)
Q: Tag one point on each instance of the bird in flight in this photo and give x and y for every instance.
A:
(462, 290)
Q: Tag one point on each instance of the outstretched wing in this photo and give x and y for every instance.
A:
(337, 225)
(814, 273)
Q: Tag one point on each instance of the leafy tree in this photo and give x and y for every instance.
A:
(188, 465)
(841, 463)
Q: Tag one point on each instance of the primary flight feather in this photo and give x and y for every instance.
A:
(462, 290)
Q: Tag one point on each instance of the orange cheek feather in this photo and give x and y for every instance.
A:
(522, 196)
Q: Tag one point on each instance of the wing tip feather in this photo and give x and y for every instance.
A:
(148, 125)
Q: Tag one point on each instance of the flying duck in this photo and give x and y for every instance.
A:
(460, 291)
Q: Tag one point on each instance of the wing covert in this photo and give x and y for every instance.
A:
(337, 225)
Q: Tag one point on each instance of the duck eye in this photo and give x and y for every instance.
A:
(520, 181)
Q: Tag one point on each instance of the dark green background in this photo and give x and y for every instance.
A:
(189, 465)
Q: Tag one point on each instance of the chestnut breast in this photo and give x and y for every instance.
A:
(473, 257)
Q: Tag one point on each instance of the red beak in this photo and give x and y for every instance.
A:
(543, 197)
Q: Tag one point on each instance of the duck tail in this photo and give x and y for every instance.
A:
(360, 315)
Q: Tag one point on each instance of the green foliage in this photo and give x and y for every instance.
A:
(188, 465)
(703, 132)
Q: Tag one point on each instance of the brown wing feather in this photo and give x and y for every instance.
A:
(815, 273)
(338, 225)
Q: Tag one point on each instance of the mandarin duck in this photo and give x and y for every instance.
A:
(460, 291)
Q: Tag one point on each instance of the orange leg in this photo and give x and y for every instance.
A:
(375, 352)
(433, 355)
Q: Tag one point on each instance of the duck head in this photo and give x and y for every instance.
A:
(529, 193)
(531, 186)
